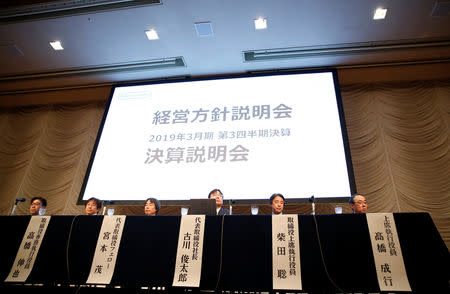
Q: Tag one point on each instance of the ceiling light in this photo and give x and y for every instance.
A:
(32, 10)
(260, 23)
(204, 29)
(152, 64)
(338, 49)
(152, 34)
(57, 45)
(380, 13)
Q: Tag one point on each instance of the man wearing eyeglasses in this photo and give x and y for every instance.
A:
(38, 206)
(358, 203)
(217, 194)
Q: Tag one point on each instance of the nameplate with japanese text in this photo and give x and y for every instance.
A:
(286, 272)
(188, 266)
(107, 249)
(387, 252)
(29, 248)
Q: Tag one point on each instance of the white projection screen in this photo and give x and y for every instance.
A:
(250, 136)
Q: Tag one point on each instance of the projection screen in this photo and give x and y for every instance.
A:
(250, 136)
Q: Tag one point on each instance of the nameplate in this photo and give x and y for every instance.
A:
(188, 266)
(387, 252)
(107, 249)
(286, 274)
(29, 248)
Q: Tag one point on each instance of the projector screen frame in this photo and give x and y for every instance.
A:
(227, 201)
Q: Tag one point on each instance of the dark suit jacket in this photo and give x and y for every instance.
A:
(223, 211)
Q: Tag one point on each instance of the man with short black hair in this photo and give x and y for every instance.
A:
(93, 206)
(277, 203)
(358, 203)
(38, 206)
(217, 194)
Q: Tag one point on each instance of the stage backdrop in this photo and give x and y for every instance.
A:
(398, 134)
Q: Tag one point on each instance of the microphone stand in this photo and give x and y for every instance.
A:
(230, 203)
(106, 203)
(313, 205)
(15, 205)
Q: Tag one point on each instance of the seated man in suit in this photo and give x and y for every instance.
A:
(358, 203)
(38, 206)
(152, 206)
(217, 194)
(277, 203)
(93, 206)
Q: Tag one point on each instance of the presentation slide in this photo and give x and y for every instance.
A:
(248, 136)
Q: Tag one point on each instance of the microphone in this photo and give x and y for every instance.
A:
(230, 203)
(313, 204)
(106, 202)
(15, 204)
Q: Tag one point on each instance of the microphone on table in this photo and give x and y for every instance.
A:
(231, 202)
(313, 204)
(106, 202)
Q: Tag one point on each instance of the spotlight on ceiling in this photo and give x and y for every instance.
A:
(380, 13)
(56, 45)
(152, 34)
(260, 23)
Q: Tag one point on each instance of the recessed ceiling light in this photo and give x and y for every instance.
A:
(260, 23)
(152, 34)
(380, 13)
(204, 29)
(56, 45)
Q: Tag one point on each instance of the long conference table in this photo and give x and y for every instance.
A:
(237, 254)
